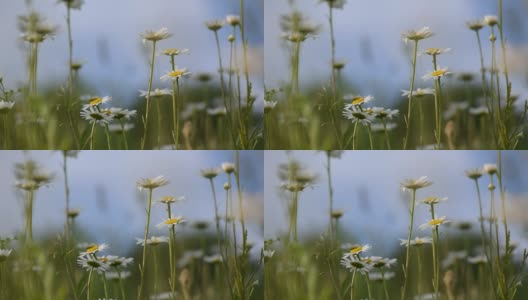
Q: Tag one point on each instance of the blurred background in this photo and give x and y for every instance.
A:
(103, 187)
(368, 38)
(367, 188)
(106, 36)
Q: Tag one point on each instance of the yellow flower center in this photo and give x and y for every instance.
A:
(177, 73)
(92, 249)
(358, 100)
(172, 221)
(438, 73)
(356, 250)
(95, 101)
(436, 222)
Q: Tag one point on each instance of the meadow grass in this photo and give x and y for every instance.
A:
(187, 261)
(327, 115)
(71, 115)
(444, 259)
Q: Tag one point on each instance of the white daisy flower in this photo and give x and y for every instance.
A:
(155, 36)
(233, 20)
(116, 128)
(417, 35)
(434, 223)
(353, 263)
(379, 276)
(436, 51)
(213, 259)
(228, 167)
(121, 113)
(170, 199)
(174, 51)
(215, 25)
(436, 74)
(91, 263)
(383, 113)
(415, 184)
(73, 4)
(417, 241)
(491, 20)
(156, 93)
(358, 249)
(269, 105)
(490, 168)
(162, 296)
(92, 115)
(356, 100)
(433, 200)
(96, 101)
(93, 249)
(378, 127)
(6, 106)
(476, 260)
(176, 74)
(152, 183)
(210, 173)
(337, 4)
(474, 174)
(475, 25)
(171, 222)
(268, 253)
(152, 241)
(418, 93)
(4, 254)
(217, 111)
(355, 114)
(115, 275)
(479, 110)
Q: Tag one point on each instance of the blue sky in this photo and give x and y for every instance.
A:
(106, 36)
(368, 37)
(367, 187)
(103, 186)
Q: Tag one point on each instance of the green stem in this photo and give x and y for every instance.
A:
(330, 191)
(143, 261)
(105, 287)
(368, 286)
(123, 133)
(387, 139)
(89, 284)
(174, 104)
(70, 78)
(352, 285)
(172, 238)
(409, 109)
(121, 286)
(145, 125)
(107, 133)
(67, 193)
(385, 285)
(92, 134)
(408, 251)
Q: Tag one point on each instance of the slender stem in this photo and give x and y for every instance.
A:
(354, 135)
(31, 195)
(177, 128)
(107, 133)
(370, 137)
(92, 135)
(143, 261)
(70, 77)
(387, 139)
(104, 286)
(352, 285)
(155, 256)
(171, 255)
(145, 125)
(330, 191)
(89, 284)
(408, 251)
(420, 270)
(121, 286)
(67, 193)
(435, 255)
(123, 132)
(368, 286)
(158, 112)
(222, 87)
(174, 105)
(409, 109)
(385, 285)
